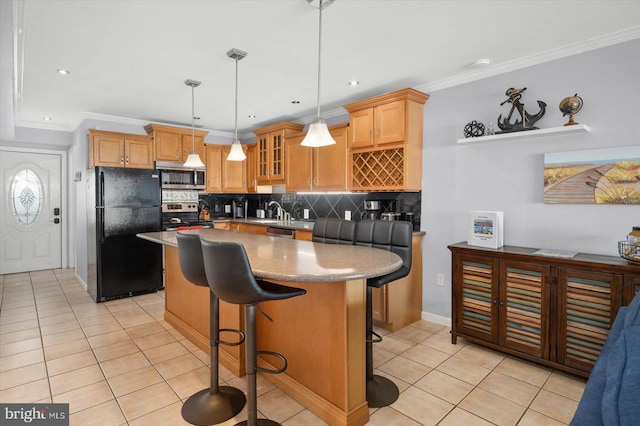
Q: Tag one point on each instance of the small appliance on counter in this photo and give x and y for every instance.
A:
(371, 210)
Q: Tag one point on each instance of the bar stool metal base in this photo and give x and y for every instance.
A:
(204, 408)
(381, 392)
(260, 422)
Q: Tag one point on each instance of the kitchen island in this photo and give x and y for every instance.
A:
(322, 334)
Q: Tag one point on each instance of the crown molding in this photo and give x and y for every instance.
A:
(536, 59)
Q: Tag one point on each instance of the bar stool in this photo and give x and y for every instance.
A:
(331, 230)
(394, 236)
(216, 404)
(230, 277)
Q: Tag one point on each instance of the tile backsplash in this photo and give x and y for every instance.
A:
(319, 205)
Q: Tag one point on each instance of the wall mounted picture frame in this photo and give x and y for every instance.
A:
(596, 176)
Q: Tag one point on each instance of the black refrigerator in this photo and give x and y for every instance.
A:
(120, 204)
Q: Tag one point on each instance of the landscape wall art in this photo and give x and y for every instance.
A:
(596, 176)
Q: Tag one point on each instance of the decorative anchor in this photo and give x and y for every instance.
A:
(528, 120)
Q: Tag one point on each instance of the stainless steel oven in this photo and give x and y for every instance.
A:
(182, 178)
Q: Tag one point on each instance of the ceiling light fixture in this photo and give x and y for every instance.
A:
(318, 133)
(46, 118)
(193, 160)
(236, 153)
(481, 63)
(354, 83)
(63, 72)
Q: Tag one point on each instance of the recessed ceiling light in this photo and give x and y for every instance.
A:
(354, 83)
(295, 102)
(46, 118)
(63, 72)
(252, 116)
(479, 63)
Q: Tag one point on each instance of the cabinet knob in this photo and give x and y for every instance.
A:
(127, 159)
(495, 301)
(122, 159)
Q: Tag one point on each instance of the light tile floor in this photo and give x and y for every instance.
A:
(120, 363)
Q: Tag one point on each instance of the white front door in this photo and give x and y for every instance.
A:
(30, 212)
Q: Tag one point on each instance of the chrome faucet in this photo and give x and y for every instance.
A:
(281, 214)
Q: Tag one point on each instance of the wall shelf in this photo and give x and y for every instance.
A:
(563, 130)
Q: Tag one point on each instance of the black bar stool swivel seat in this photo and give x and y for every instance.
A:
(216, 404)
(230, 277)
(394, 236)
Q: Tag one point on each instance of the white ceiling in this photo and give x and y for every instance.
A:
(129, 59)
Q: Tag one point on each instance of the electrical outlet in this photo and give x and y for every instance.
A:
(441, 280)
(305, 214)
(227, 209)
(347, 214)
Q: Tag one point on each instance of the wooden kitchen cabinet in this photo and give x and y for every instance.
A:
(213, 162)
(378, 125)
(385, 142)
(113, 149)
(271, 151)
(234, 173)
(175, 143)
(554, 311)
(399, 303)
(252, 169)
(317, 169)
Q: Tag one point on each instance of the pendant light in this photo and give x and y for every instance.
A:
(318, 133)
(193, 160)
(236, 153)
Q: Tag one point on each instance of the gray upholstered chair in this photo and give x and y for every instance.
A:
(217, 403)
(231, 279)
(333, 231)
(394, 236)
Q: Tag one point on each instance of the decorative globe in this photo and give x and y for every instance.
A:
(571, 105)
(473, 129)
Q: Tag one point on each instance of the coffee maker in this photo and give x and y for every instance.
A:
(371, 210)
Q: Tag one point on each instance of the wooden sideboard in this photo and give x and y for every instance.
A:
(551, 310)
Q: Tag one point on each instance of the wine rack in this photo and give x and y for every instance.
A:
(378, 170)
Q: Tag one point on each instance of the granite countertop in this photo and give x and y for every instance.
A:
(295, 260)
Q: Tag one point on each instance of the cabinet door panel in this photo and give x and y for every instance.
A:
(252, 181)
(476, 312)
(108, 151)
(330, 163)
(277, 156)
(168, 146)
(361, 128)
(524, 307)
(263, 158)
(587, 301)
(298, 165)
(188, 144)
(213, 162)
(390, 122)
(138, 154)
(234, 173)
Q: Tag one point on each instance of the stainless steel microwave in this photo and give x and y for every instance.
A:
(182, 179)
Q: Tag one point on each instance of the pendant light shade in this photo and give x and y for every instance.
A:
(236, 153)
(193, 159)
(318, 133)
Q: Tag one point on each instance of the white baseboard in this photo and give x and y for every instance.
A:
(437, 319)
(84, 285)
